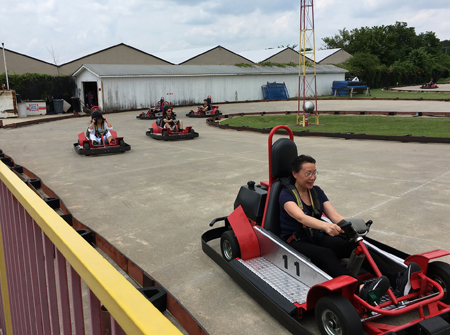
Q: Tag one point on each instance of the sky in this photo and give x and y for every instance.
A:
(62, 31)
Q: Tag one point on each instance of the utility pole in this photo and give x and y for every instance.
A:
(307, 86)
(6, 70)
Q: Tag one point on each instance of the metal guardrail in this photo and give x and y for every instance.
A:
(42, 263)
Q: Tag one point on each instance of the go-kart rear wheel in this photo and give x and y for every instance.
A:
(440, 273)
(229, 246)
(335, 315)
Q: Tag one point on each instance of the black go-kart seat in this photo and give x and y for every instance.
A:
(283, 153)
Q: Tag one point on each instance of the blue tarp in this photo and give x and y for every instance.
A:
(273, 91)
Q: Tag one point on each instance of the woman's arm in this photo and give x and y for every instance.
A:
(91, 126)
(331, 213)
(109, 124)
(295, 212)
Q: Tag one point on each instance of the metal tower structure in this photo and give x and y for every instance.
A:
(307, 86)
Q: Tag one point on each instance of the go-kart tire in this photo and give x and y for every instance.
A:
(122, 143)
(85, 146)
(440, 273)
(335, 315)
(165, 135)
(150, 130)
(229, 246)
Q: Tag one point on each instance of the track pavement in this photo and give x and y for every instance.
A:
(154, 202)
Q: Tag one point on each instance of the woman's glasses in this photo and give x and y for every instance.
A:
(310, 174)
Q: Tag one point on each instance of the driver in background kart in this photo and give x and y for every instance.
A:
(99, 129)
(206, 106)
(157, 108)
(317, 239)
(170, 120)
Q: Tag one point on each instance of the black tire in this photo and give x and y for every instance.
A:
(229, 246)
(165, 135)
(122, 143)
(150, 130)
(335, 315)
(440, 273)
(85, 146)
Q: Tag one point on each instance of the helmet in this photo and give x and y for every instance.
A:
(96, 115)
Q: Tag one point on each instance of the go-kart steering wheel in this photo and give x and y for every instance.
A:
(350, 234)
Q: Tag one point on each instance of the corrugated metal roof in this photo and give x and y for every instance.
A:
(180, 56)
(257, 56)
(124, 70)
(322, 54)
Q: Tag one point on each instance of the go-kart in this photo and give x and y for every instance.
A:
(158, 132)
(289, 286)
(429, 85)
(84, 146)
(152, 114)
(214, 111)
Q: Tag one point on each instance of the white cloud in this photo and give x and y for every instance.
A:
(85, 27)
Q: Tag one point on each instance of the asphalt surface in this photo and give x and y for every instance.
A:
(155, 201)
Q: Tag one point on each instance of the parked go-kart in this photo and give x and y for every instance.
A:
(289, 286)
(153, 114)
(158, 132)
(214, 111)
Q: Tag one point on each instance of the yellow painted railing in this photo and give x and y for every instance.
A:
(132, 311)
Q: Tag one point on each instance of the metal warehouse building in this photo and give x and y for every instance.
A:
(125, 87)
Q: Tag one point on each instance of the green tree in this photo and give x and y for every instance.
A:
(365, 66)
(446, 47)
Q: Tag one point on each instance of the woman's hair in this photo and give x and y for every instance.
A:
(297, 164)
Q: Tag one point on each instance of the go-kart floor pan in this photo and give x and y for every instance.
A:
(290, 288)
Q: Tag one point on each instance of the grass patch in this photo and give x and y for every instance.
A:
(379, 93)
(358, 124)
(443, 81)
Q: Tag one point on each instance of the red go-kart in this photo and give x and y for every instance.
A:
(429, 85)
(289, 286)
(158, 132)
(152, 114)
(214, 111)
(84, 146)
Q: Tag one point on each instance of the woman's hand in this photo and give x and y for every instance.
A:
(333, 229)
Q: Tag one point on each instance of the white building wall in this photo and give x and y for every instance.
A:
(141, 92)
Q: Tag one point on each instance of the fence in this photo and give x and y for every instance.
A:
(43, 263)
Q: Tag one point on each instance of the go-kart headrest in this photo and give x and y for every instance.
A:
(208, 100)
(284, 151)
(165, 108)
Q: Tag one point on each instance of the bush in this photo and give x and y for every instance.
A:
(35, 86)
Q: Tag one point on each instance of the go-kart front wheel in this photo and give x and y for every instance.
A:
(229, 246)
(335, 315)
(440, 273)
